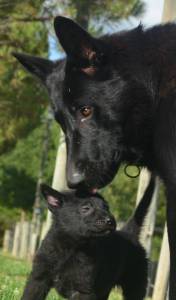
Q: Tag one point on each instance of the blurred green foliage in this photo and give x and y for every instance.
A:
(19, 170)
(22, 105)
(121, 194)
(22, 101)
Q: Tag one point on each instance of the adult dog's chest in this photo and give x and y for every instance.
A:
(76, 273)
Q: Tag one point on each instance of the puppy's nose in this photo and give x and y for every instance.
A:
(74, 179)
(110, 222)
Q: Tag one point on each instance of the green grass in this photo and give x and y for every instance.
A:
(13, 274)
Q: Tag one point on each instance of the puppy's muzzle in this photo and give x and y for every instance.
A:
(107, 223)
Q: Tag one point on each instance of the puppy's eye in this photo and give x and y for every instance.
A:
(86, 209)
(86, 111)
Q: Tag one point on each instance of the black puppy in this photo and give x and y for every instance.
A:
(118, 104)
(82, 256)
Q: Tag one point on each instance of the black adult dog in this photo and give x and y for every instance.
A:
(117, 104)
(82, 256)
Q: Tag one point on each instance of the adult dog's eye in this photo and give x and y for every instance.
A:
(86, 111)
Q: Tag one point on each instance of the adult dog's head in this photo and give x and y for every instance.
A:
(93, 96)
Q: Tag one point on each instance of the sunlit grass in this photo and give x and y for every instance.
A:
(13, 274)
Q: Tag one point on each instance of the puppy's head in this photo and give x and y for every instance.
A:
(78, 214)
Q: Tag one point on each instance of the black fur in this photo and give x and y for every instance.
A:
(128, 80)
(82, 256)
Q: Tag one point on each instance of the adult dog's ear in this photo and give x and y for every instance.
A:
(86, 51)
(40, 67)
(54, 198)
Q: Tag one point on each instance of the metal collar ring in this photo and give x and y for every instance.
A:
(129, 175)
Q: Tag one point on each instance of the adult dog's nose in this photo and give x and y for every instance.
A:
(74, 179)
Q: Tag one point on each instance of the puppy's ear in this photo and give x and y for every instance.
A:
(53, 197)
(79, 45)
(40, 67)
